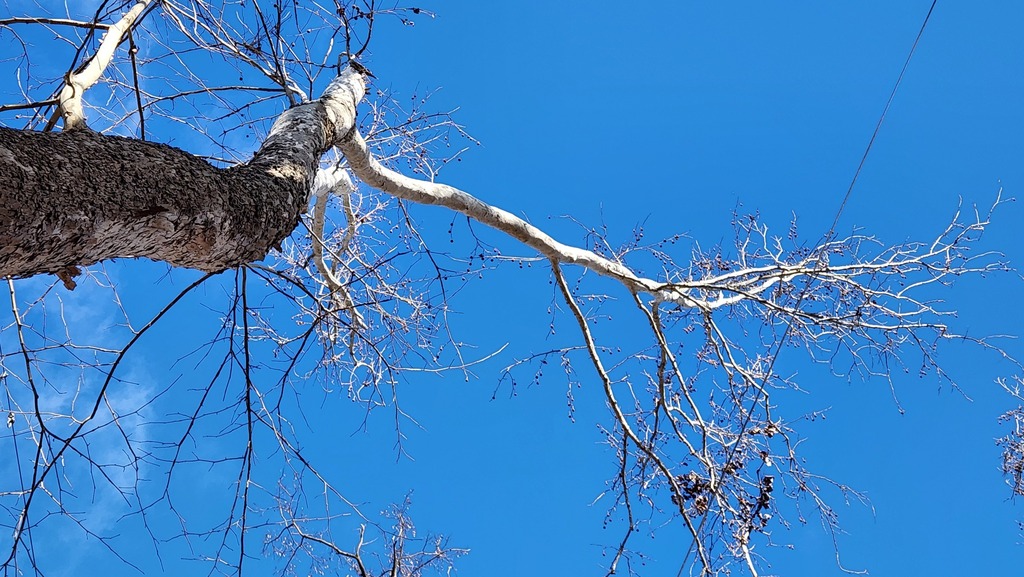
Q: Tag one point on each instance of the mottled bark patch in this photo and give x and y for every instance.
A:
(78, 198)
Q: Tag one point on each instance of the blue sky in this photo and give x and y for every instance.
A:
(673, 114)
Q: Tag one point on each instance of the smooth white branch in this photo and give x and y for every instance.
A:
(372, 172)
(938, 261)
(70, 99)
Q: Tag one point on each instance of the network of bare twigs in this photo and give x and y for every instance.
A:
(356, 303)
(357, 298)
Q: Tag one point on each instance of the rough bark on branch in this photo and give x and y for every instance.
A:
(78, 198)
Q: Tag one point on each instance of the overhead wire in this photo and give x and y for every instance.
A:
(824, 241)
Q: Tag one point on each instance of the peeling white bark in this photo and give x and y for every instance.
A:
(301, 135)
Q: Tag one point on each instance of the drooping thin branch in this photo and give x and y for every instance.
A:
(620, 416)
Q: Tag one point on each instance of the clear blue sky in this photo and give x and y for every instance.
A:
(673, 114)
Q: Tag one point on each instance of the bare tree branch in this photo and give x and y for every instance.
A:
(78, 82)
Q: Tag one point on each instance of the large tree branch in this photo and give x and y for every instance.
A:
(372, 172)
(885, 309)
(78, 198)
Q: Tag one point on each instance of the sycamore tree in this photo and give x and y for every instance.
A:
(248, 148)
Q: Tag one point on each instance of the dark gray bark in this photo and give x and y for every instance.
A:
(77, 198)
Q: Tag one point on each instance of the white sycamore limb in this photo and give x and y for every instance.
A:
(854, 295)
(706, 294)
(70, 99)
